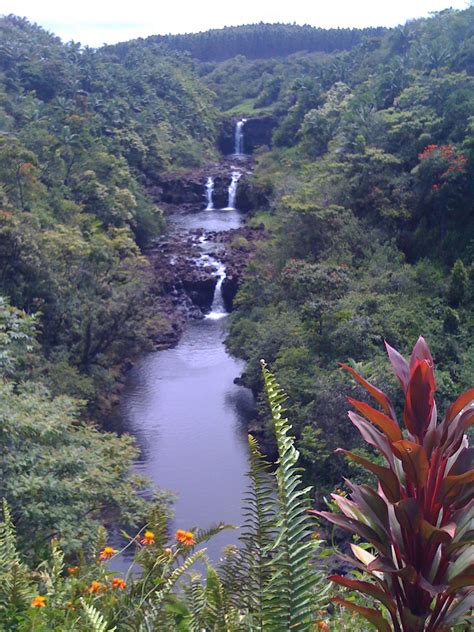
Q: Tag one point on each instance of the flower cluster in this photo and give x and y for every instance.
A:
(38, 602)
(95, 587)
(118, 583)
(185, 537)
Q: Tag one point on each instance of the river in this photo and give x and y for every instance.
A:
(188, 416)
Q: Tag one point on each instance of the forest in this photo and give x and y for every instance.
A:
(364, 194)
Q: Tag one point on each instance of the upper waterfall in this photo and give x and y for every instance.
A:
(239, 137)
(209, 186)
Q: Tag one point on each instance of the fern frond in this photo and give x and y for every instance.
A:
(289, 603)
(203, 535)
(15, 582)
(51, 570)
(197, 602)
(95, 618)
(153, 605)
(245, 570)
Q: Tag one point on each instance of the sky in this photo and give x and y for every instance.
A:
(95, 22)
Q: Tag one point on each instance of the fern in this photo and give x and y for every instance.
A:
(96, 619)
(289, 602)
(153, 605)
(15, 584)
(245, 571)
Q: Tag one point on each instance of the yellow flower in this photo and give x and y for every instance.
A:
(38, 602)
(107, 552)
(148, 538)
(185, 537)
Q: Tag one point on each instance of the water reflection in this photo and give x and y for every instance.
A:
(189, 420)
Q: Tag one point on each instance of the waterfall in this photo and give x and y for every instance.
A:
(239, 137)
(233, 190)
(209, 193)
(218, 309)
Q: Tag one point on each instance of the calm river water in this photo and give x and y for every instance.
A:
(189, 418)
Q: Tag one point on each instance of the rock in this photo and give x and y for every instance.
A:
(257, 132)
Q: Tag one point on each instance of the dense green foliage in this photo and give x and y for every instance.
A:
(368, 190)
(371, 220)
(82, 133)
(268, 584)
(261, 40)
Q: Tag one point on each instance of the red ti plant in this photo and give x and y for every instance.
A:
(420, 521)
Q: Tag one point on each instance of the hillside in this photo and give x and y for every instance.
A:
(358, 193)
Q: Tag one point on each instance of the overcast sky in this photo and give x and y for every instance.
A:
(95, 22)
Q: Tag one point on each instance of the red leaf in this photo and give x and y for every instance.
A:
(388, 479)
(433, 535)
(419, 399)
(372, 435)
(461, 402)
(414, 461)
(400, 365)
(386, 424)
(421, 351)
(371, 615)
(408, 514)
(376, 393)
(367, 589)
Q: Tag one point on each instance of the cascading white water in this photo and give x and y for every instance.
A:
(218, 309)
(209, 193)
(232, 190)
(239, 137)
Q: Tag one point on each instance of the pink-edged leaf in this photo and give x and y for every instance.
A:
(389, 427)
(388, 479)
(419, 399)
(373, 616)
(400, 365)
(461, 402)
(372, 435)
(421, 351)
(353, 526)
(414, 461)
(461, 473)
(384, 565)
(415, 622)
(432, 589)
(452, 484)
(366, 588)
(370, 503)
(434, 535)
(376, 393)
(408, 514)
(461, 581)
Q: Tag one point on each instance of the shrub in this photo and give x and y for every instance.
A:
(419, 521)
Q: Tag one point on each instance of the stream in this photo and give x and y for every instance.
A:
(187, 415)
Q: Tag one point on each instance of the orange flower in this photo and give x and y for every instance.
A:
(107, 552)
(38, 602)
(148, 538)
(72, 569)
(322, 625)
(95, 587)
(185, 537)
(118, 582)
